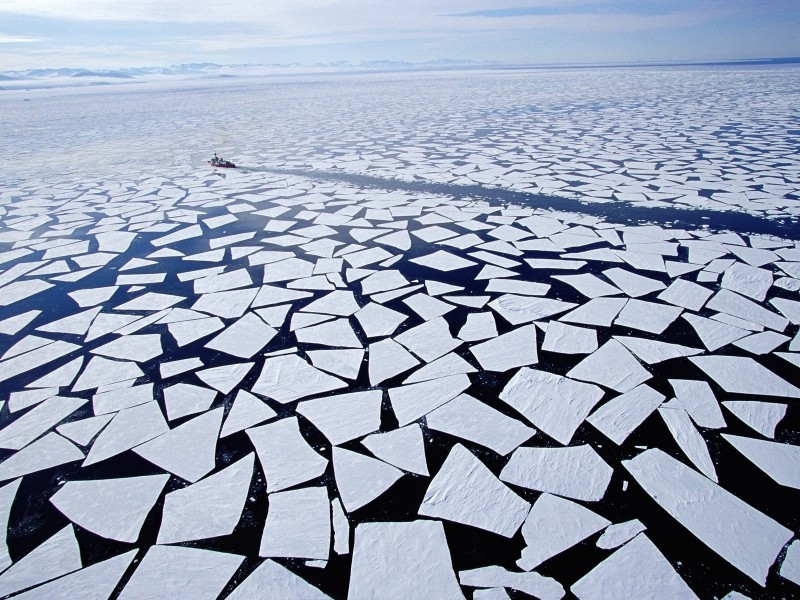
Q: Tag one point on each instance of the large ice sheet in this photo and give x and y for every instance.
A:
(247, 410)
(443, 261)
(298, 524)
(652, 352)
(553, 526)
(337, 334)
(189, 450)
(735, 305)
(404, 448)
(129, 428)
(598, 311)
(387, 358)
(376, 320)
(470, 419)
(111, 508)
(743, 375)
(632, 284)
(479, 326)
(652, 317)
(555, 404)
(466, 491)
(36, 358)
(747, 280)
(360, 479)
(763, 417)
(637, 570)
(568, 339)
(402, 560)
(611, 366)
(284, 454)
(7, 494)
(56, 556)
(576, 472)
(96, 582)
(184, 399)
(430, 340)
(48, 451)
(244, 337)
(743, 536)
(516, 348)
(698, 399)
(410, 402)
(790, 567)
(620, 416)
(498, 578)
(37, 421)
(168, 572)
(288, 378)
(209, 508)
(779, 461)
(101, 371)
(344, 417)
(689, 440)
(589, 285)
(686, 294)
(619, 533)
(271, 580)
(225, 377)
(524, 309)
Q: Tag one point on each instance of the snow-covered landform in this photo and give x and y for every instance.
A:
(391, 356)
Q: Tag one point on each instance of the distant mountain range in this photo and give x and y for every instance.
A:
(217, 69)
(64, 75)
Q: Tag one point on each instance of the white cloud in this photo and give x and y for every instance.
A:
(16, 39)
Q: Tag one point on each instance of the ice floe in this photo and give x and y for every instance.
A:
(637, 570)
(576, 472)
(554, 525)
(402, 560)
(470, 419)
(284, 454)
(111, 508)
(298, 524)
(171, 571)
(555, 404)
(466, 491)
(209, 508)
(740, 534)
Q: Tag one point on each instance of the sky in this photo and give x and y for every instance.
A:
(115, 33)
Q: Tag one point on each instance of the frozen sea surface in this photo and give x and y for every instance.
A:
(443, 335)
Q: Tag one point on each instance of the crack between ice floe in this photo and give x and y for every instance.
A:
(618, 212)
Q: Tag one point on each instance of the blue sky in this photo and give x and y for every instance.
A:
(113, 33)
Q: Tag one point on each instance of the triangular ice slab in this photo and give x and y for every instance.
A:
(96, 582)
(404, 448)
(57, 556)
(360, 479)
(209, 508)
(344, 417)
(637, 570)
(247, 410)
(554, 525)
(111, 508)
(168, 572)
(189, 450)
(271, 580)
(466, 491)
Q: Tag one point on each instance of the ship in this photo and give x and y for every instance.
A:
(221, 162)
